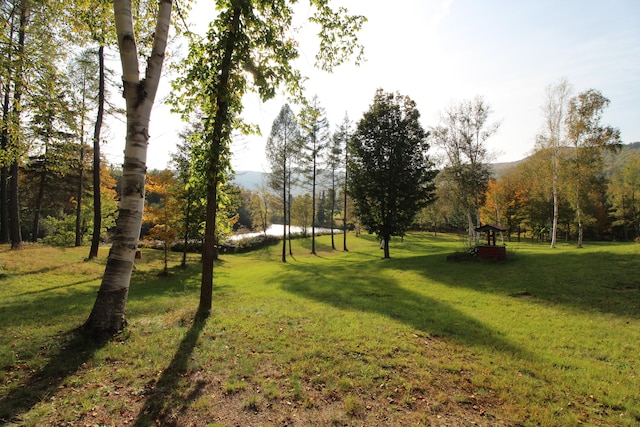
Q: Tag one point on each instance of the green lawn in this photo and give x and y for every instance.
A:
(546, 338)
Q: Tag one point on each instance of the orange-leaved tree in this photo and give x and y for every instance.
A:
(164, 214)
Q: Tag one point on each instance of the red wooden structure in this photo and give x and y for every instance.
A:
(490, 250)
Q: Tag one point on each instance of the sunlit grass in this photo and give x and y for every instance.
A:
(549, 337)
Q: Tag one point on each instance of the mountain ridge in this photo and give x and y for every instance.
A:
(253, 179)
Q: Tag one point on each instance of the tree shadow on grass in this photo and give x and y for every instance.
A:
(67, 285)
(77, 297)
(363, 287)
(74, 350)
(70, 350)
(165, 399)
(602, 281)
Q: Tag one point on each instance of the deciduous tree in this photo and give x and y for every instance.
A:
(261, 207)
(108, 313)
(589, 138)
(248, 38)
(301, 207)
(165, 215)
(553, 138)
(462, 134)
(624, 196)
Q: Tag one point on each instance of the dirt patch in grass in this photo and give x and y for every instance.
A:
(624, 287)
(524, 294)
(272, 399)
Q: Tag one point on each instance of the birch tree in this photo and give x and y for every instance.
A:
(553, 138)
(93, 23)
(462, 134)
(108, 313)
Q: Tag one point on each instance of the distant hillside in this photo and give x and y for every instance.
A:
(252, 179)
(612, 161)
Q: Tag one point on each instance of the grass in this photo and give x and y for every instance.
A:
(547, 338)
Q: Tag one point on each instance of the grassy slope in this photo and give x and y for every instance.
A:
(546, 338)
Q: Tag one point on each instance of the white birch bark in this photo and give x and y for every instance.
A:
(108, 314)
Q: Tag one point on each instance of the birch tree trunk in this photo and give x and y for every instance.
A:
(554, 110)
(108, 314)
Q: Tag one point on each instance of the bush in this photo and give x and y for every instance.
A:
(59, 231)
(248, 244)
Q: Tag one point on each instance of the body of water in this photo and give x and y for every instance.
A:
(276, 230)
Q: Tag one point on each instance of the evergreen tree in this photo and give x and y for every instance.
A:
(283, 150)
(316, 128)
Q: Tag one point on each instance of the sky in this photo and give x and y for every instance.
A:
(441, 52)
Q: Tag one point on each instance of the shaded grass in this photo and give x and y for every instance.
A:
(546, 338)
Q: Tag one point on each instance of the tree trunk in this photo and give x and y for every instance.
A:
(4, 204)
(78, 230)
(284, 208)
(471, 230)
(166, 254)
(385, 241)
(4, 145)
(313, 202)
(97, 201)
(108, 313)
(15, 231)
(578, 191)
(556, 208)
(187, 219)
(208, 249)
(38, 207)
(344, 206)
(4, 171)
(580, 226)
(289, 219)
(222, 109)
(333, 206)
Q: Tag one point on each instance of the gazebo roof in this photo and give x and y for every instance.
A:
(490, 227)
